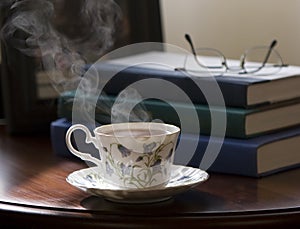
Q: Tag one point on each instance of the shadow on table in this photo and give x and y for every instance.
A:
(190, 202)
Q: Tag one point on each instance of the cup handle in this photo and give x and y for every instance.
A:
(89, 139)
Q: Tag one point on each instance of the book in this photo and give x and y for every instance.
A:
(255, 157)
(240, 123)
(44, 86)
(237, 90)
(58, 130)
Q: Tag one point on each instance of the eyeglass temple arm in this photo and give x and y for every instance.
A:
(272, 45)
(189, 40)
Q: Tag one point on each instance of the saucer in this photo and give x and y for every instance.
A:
(183, 178)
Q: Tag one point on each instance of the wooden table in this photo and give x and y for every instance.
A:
(34, 194)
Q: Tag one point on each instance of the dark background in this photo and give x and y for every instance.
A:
(23, 111)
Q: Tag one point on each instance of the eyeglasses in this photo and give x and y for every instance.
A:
(260, 60)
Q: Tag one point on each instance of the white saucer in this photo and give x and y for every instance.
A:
(183, 178)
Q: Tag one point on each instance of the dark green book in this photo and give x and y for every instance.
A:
(241, 123)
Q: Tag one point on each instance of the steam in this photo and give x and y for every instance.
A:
(128, 107)
(65, 41)
(66, 35)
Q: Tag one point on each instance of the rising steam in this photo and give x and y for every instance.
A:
(64, 34)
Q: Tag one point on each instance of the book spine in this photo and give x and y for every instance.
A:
(58, 130)
(235, 126)
(235, 94)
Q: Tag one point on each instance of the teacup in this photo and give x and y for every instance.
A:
(132, 155)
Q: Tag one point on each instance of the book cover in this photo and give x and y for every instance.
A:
(241, 123)
(255, 157)
(58, 130)
(237, 90)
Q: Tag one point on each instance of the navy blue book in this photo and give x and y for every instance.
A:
(255, 157)
(238, 90)
(58, 130)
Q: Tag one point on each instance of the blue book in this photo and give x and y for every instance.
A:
(237, 90)
(58, 130)
(255, 157)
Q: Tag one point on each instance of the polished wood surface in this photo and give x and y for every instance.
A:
(34, 194)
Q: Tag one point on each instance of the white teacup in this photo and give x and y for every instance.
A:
(133, 155)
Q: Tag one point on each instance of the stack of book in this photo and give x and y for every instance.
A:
(263, 115)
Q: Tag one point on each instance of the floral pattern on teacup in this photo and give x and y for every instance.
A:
(145, 168)
(124, 151)
(148, 148)
(108, 168)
